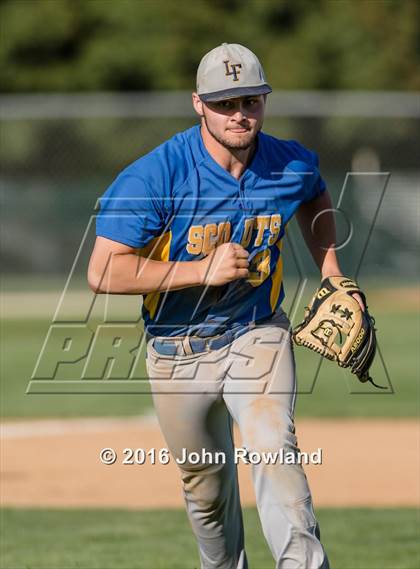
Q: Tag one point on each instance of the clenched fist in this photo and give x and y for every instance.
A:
(224, 264)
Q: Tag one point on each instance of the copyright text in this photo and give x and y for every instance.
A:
(140, 456)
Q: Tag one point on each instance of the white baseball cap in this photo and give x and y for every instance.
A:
(230, 70)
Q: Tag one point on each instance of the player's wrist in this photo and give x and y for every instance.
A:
(329, 274)
(331, 271)
(199, 268)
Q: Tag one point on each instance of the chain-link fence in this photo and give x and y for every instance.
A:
(59, 153)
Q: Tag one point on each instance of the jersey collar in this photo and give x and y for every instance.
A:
(249, 170)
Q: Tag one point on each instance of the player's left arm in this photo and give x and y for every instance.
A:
(317, 224)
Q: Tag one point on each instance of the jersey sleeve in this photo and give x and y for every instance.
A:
(319, 186)
(314, 184)
(130, 212)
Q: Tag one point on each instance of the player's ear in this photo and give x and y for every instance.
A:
(197, 104)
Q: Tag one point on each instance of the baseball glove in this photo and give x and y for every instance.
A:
(336, 327)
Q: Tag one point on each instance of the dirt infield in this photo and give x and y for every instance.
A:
(56, 464)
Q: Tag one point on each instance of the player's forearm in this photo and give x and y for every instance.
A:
(317, 224)
(131, 274)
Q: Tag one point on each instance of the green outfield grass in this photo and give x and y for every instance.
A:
(21, 344)
(116, 539)
(336, 393)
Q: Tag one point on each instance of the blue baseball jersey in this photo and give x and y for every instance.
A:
(178, 203)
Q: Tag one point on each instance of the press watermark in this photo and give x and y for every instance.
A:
(106, 355)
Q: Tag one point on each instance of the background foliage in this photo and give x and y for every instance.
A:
(88, 45)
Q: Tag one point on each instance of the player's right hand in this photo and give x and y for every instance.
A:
(224, 264)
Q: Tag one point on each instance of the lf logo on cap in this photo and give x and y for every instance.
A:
(234, 69)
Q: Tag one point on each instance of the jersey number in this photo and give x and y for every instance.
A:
(259, 269)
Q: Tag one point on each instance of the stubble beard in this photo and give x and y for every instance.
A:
(229, 144)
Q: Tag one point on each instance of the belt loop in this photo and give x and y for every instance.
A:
(187, 346)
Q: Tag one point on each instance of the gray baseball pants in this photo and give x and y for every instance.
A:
(197, 397)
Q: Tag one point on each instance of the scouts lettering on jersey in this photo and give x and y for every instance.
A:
(204, 238)
(261, 224)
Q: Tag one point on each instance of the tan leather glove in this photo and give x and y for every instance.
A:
(336, 327)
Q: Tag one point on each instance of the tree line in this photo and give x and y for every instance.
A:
(126, 45)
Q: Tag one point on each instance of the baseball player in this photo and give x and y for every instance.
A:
(196, 227)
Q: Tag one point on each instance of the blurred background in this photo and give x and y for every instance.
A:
(88, 86)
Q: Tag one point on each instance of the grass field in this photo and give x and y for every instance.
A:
(336, 393)
(117, 539)
(111, 539)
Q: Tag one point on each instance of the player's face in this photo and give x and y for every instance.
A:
(235, 123)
